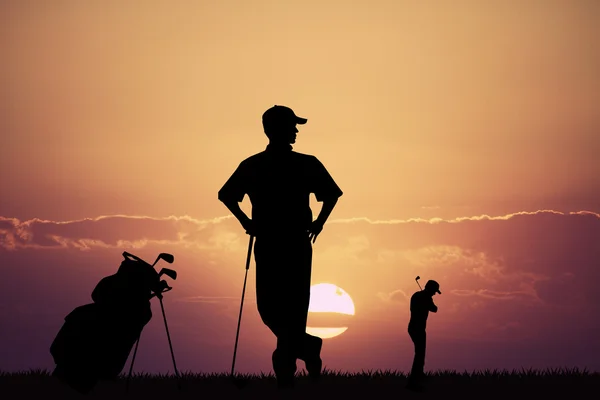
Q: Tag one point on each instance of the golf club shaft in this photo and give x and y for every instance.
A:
(169, 338)
(137, 343)
(237, 335)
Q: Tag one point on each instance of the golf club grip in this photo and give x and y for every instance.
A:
(249, 252)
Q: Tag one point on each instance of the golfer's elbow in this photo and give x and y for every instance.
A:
(330, 202)
(227, 198)
(223, 198)
(232, 206)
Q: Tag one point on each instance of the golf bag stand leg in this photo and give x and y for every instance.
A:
(170, 345)
(237, 335)
(137, 343)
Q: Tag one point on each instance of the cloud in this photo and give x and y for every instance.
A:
(458, 219)
(490, 294)
(397, 295)
(115, 231)
(430, 207)
(137, 231)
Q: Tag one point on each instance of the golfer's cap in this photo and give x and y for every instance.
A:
(433, 285)
(277, 116)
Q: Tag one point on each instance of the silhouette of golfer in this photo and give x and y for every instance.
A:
(279, 182)
(421, 303)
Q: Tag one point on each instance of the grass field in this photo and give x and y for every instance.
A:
(371, 385)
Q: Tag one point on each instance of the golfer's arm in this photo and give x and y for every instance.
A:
(326, 209)
(433, 307)
(235, 209)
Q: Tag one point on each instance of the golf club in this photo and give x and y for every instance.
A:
(164, 287)
(137, 343)
(240, 383)
(165, 257)
(417, 280)
(168, 272)
(170, 344)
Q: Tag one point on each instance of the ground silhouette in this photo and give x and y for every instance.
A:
(520, 384)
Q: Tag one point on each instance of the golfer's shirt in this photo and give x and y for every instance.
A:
(279, 183)
(420, 305)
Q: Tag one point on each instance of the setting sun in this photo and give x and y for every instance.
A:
(329, 298)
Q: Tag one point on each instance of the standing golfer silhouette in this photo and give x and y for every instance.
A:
(279, 182)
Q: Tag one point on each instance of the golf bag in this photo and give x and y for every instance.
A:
(96, 339)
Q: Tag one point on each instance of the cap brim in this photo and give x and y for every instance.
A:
(438, 292)
(301, 121)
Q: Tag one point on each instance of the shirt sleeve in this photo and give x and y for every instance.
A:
(236, 186)
(323, 185)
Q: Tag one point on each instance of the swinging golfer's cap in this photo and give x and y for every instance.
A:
(433, 285)
(279, 116)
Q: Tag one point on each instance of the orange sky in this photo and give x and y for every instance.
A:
(418, 109)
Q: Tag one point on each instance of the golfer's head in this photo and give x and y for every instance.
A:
(279, 124)
(432, 287)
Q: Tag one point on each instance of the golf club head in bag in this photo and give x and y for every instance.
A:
(168, 272)
(169, 258)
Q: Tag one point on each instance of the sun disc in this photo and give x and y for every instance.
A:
(328, 299)
(325, 333)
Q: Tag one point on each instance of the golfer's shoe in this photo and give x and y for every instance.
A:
(313, 361)
(285, 370)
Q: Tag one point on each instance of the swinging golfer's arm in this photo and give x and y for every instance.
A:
(433, 307)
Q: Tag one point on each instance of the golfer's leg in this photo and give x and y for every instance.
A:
(415, 365)
(420, 354)
(423, 354)
(298, 316)
(301, 316)
(269, 303)
(299, 296)
(284, 358)
(310, 346)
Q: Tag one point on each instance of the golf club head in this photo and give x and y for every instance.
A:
(417, 280)
(165, 257)
(168, 272)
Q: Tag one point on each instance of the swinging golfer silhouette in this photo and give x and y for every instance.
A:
(279, 182)
(421, 303)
